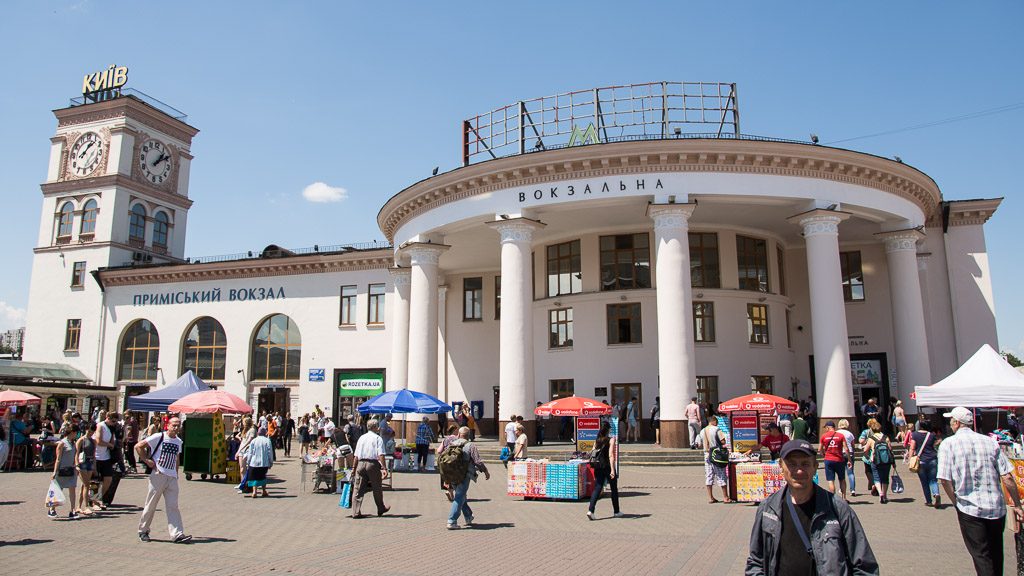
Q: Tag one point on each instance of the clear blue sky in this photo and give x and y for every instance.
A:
(369, 96)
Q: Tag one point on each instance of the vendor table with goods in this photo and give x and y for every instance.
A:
(541, 479)
(753, 480)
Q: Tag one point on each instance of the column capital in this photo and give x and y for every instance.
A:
(400, 276)
(517, 229)
(899, 240)
(424, 252)
(819, 221)
(671, 216)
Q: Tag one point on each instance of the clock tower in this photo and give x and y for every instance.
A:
(116, 194)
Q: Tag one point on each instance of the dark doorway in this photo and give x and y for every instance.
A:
(869, 375)
(274, 400)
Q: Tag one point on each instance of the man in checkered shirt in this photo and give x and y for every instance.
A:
(971, 468)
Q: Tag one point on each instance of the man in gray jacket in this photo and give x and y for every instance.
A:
(804, 529)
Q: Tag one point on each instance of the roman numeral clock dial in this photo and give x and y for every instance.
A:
(155, 161)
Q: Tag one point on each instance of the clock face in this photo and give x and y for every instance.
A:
(86, 154)
(155, 161)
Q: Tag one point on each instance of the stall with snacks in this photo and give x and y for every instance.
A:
(205, 448)
(750, 479)
(573, 478)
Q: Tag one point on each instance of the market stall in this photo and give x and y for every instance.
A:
(750, 479)
(205, 447)
(12, 455)
(573, 478)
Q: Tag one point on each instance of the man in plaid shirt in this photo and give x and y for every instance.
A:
(971, 469)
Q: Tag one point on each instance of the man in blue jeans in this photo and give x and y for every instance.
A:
(476, 465)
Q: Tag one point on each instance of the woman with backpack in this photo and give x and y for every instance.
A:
(880, 454)
(604, 461)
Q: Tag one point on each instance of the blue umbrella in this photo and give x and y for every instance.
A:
(404, 401)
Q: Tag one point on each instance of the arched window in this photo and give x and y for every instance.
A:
(89, 217)
(67, 218)
(205, 349)
(137, 224)
(140, 352)
(276, 350)
(160, 226)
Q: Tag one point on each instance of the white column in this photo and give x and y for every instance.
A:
(398, 378)
(908, 324)
(677, 371)
(515, 356)
(829, 337)
(422, 374)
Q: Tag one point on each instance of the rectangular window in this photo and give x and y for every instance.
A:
(561, 388)
(757, 323)
(707, 390)
(789, 335)
(375, 314)
(624, 324)
(853, 276)
(704, 260)
(78, 275)
(564, 271)
(72, 335)
(473, 298)
(625, 262)
(497, 297)
(782, 269)
(762, 384)
(703, 322)
(752, 263)
(560, 328)
(348, 306)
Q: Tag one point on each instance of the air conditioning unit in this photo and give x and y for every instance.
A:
(148, 258)
(137, 256)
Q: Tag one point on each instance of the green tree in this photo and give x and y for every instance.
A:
(1013, 360)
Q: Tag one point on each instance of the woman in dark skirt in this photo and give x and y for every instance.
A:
(260, 458)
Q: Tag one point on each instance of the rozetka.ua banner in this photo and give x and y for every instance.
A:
(361, 384)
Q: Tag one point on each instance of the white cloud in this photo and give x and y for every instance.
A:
(320, 192)
(11, 317)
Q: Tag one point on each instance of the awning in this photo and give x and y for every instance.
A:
(12, 371)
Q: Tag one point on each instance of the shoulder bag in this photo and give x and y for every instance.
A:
(718, 455)
(914, 461)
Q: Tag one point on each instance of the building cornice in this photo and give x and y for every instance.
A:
(972, 212)
(250, 268)
(126, 107)
(112, 180)
(689, 155)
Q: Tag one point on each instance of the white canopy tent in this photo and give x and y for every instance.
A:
(984, 381)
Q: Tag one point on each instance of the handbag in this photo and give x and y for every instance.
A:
(896, 484)
(65, 471)
(914, 462)
(718, 455)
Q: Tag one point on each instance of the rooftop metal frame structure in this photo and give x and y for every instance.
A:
(654, 110)
(115, 93)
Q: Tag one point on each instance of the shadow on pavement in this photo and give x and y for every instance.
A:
(401, 489)
(633, 494)
(481, 526)
(626, 516)
(24, 542)
(390, 515)
(11, 502)
(210, 540)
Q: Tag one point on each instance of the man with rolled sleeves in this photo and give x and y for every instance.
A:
(370, 470)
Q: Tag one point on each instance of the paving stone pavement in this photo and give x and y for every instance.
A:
(668, 529)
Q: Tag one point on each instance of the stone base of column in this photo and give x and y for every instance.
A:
(854, 425)
(675, 434)
(531, 432)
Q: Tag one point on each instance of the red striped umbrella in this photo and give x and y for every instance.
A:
(759, 403)
(573, 406)
(16, 398)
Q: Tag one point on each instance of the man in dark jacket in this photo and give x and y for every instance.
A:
(804, 529)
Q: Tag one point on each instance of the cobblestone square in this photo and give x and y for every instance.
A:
(668, 529)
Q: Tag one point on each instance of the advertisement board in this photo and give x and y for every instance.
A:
(744, 431)
(586, 433)
(360, 383)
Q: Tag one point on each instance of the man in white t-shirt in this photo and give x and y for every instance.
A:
(104, 438)
(160, 452)
(510, 437)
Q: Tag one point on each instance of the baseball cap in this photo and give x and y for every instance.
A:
(960, 414)
(797, 446)
(831, 423)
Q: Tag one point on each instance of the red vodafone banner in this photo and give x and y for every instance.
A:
(759, 403)
(573, 406)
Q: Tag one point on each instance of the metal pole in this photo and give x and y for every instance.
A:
(522, 127)
(664, 110)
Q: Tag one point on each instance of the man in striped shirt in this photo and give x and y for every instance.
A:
(971, 469)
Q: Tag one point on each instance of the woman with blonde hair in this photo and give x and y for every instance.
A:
(899, 421)
(851, 474)
(248, 435)
(879, 453)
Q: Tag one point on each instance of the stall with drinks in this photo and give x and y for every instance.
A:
(750, 479)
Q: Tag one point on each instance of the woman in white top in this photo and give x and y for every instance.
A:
(520, 450)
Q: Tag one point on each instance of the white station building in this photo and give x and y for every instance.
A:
(610, 243)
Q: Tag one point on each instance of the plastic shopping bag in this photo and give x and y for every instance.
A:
(896, 484)
(54, 495)
(346, 495)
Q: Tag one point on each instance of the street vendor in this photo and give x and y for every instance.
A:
(773, 441)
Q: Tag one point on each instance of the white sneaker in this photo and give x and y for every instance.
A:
(619, 515)
(453, 526)
(590, 515)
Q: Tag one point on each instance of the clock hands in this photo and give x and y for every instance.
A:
(160, 159)
(86, 149)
